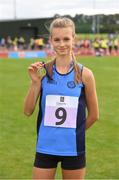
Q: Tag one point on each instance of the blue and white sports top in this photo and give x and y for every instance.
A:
(61, 118)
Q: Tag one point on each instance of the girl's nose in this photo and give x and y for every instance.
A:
(61, 43)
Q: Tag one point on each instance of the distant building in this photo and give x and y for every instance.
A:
(28, 28)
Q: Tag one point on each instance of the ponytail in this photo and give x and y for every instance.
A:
(49, 69)
(77, 70)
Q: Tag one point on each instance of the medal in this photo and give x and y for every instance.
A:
(41, 72)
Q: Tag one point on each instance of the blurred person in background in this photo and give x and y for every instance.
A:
(3, 43)
(9, 43)
(116, 45)
(32, 43)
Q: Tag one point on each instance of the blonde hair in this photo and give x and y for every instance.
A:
(63, 22)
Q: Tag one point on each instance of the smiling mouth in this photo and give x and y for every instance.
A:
(62, 49)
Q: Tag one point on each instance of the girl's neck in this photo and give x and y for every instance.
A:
(63, 64)
(63, 61)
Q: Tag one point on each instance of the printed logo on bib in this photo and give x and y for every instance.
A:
(61, 111)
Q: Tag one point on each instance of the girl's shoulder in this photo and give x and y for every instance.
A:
(87, 75)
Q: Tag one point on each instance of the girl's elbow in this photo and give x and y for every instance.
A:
(28, 113)
(95, 117)
(98, 117)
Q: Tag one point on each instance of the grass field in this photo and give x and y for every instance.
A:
(18, 133)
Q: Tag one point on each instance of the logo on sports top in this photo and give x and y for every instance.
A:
(71, 84)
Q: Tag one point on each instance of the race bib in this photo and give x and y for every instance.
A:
(61, 111)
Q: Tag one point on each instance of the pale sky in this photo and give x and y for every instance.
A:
(21, 9)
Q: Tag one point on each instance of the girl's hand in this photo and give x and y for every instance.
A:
(33, 71)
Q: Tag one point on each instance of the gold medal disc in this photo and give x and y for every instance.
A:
(41, 72)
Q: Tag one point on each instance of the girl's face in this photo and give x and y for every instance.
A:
(62, 40)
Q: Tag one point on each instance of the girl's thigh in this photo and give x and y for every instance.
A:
(74, 174)
(43, 173)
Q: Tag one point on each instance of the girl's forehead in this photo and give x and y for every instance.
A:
(62, 31)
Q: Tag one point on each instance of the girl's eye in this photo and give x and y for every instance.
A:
(66, 39)
(56, 40)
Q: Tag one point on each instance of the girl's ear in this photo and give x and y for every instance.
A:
(74, 36)
(73, 43)
(74, 39)
(50, 39)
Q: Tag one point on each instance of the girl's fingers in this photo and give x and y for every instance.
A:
(30, 68)
(37, 65)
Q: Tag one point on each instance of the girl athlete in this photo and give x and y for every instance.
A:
(67, 89)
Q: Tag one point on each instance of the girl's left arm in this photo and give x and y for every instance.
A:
(91, 97)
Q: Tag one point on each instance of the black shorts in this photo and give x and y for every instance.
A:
(67, 162)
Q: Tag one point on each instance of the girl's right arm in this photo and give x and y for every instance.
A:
(34, 90)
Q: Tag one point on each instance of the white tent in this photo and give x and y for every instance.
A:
(22, 9)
